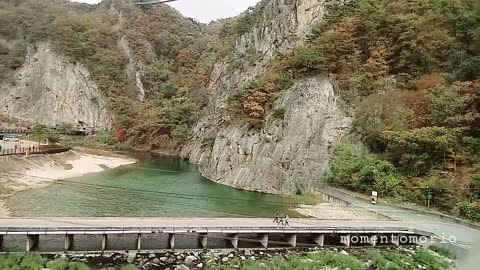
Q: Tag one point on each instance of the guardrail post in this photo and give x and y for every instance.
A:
(171, 240)
(263, 238)
(104, 242)
(202, 239)
(1, 242)
(32, 242)
(139, 241)
(291, 239)
(68, 242)
(233, 238)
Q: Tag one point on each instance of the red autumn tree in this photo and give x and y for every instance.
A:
(121, 134)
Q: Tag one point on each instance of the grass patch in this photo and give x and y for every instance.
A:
(433, 262)
(32, 261)
(390, 261)
(23, 262)
(129, 267)
(311, 261)
(442, 251)
(308, 199)
(357, 260)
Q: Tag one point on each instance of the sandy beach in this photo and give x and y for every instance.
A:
(21, 173)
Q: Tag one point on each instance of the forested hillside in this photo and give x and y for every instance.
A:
(411, 71)
(174, 56)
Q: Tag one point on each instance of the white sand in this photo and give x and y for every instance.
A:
(84, 164)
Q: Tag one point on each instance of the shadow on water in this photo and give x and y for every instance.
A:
(157, 186)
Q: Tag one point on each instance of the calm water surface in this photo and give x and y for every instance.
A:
(155, 187)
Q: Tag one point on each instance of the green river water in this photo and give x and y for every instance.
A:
(155, 187)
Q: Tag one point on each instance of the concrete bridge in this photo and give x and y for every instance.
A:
(224, 233)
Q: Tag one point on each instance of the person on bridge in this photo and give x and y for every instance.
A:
(286, 221)
(277, 218)
(282, 219)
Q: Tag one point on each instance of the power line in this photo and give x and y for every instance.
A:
(152, 191)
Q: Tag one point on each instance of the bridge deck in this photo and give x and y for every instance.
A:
(59, 222)
(199, 224)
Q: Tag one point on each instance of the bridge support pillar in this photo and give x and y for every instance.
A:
(395, 239)
(233, 238)
(68, 242)
(318, 239)
(263, 238)
(345, 239)
(373, 240)
(104, 242)
(203, 239)
(139, 241)
(171, 240)
(32, 242)
(291, 239)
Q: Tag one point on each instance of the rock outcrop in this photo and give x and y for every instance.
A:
(51, 90)
(286, 155)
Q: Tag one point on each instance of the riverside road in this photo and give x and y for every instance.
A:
(465, 236)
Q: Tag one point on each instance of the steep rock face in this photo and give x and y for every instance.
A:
(286, 155)
(135, 67)
(283, 24)
(51, 90)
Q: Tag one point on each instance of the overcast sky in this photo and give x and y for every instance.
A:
(205, 10)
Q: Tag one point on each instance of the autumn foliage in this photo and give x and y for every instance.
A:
(121, 134)
(254, 104)
(429, 81)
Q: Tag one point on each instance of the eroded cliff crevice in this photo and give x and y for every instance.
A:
(51, 90)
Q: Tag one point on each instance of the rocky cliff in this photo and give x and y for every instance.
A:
(285, 155)
(51, 90)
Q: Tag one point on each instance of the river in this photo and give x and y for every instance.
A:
(154, 187)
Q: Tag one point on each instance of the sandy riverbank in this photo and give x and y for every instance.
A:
(21, 173)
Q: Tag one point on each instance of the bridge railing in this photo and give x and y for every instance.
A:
(33, 150)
